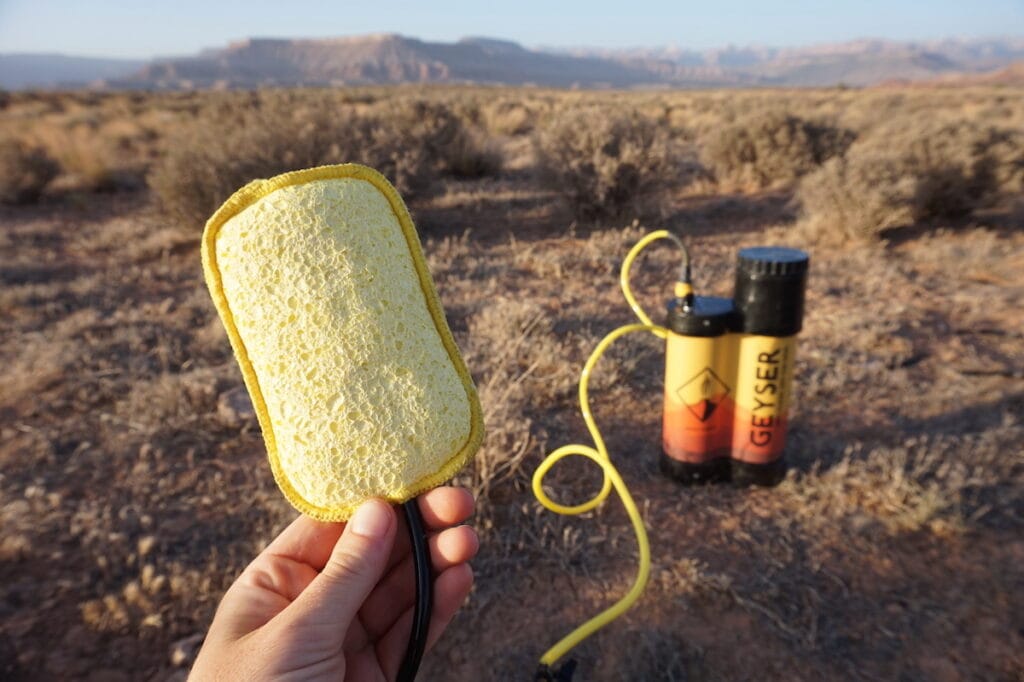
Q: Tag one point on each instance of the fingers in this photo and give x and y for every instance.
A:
(310, 542)
(356, 564)
(447, 506)
(279, 575)
(450, 590)
(397, 591)
(352, 559)
(441, 508)
(307, 541)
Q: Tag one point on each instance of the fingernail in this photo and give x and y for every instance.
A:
(372, 520)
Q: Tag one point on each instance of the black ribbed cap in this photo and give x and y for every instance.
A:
(704, 316)
(773, 261)
(770, 286)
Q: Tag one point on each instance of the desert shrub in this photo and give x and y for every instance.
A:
(449, 146)
(606, 161)
(24, 171)
(411, 142)
(507, 117)
(770, 147)
(225, 147)
(854, 197)
(1004, 148)
(904, 174)
(472, 155)
(90, 159)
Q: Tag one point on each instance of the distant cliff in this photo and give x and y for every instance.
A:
(391, 58)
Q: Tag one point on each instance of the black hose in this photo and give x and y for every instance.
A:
(424, 593)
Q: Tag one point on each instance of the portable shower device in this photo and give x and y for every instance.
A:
(728, 388)
(729, 371)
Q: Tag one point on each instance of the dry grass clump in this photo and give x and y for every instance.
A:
(508, 117)
(89, 158)
(523, 369)
(410, 142)
(473, 155)
(99, 144)
(942, 482)
(855, 198)
(446, 144)
(223, 150)
(24, 171)
(767, 148)
(607, 161)
(891, 179)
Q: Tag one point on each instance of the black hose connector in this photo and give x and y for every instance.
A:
(562, 673)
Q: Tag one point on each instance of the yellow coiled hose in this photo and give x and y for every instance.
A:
(599, 455)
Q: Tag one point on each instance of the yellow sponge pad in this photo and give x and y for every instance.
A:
(320, 280)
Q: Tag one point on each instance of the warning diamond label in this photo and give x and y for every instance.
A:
(703, 393)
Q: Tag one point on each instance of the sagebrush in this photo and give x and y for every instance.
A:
(25, 171)
(911, 172)
(412, 143)
(772, 147)
(607, 162)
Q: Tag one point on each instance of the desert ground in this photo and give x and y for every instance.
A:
(134, 485)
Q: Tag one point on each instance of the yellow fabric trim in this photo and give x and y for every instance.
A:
(259, 189)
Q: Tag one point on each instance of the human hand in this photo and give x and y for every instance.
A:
(334, 601)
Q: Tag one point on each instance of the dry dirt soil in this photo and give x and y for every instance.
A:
(134, 485)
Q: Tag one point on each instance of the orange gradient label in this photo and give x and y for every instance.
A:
(764, 377)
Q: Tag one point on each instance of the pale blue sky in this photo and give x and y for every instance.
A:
(127, 28)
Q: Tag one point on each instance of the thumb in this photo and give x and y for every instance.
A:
(357, 564)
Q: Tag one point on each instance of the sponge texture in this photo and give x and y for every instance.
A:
(360, 390)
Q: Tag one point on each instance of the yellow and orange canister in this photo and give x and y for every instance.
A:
(729, 371)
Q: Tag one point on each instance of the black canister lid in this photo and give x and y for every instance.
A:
(770, 286)
(704, 316)
(773, 261)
